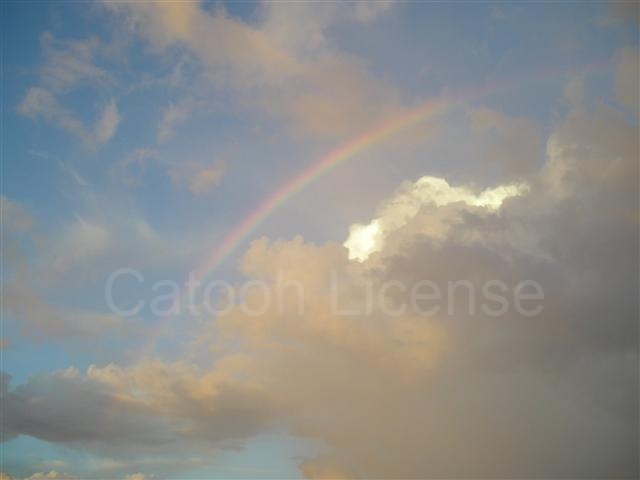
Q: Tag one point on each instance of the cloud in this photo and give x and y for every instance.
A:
(622, 10)
(323, 468)
(14, 216)
(73, 173)
(81, 240)
(627, 79)
(149, 407)
(40, 320)
(460, 396)
(108, 123)
(40, 103)
(410, 396)
(79, 255)
(55, 475)
(198, 177)
(368, 11)
(454, 396)
(283, 65)
(69, 64)
(509, 146)
(172, 116)
(139, 476)
(132, 166)
(50, 475)
(17, 228)
(427, 191)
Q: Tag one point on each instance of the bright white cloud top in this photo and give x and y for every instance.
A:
(399, 210)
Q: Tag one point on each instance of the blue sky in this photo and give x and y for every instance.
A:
(138, 134)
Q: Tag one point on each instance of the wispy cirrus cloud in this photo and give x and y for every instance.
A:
(39, 103)
(198, 177)
(70, 63)
(283, 65)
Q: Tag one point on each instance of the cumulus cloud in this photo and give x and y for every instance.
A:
(458, 395)
(151, 406)
(399, 210)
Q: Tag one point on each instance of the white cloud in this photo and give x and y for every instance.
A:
(399, 210)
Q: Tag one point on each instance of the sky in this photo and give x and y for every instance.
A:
(348, 147)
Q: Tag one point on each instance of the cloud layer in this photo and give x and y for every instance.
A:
(408, 396)
(193, 114)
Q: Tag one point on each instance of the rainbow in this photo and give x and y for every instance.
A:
(341, 154)
(348, 150)
(365, 141)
